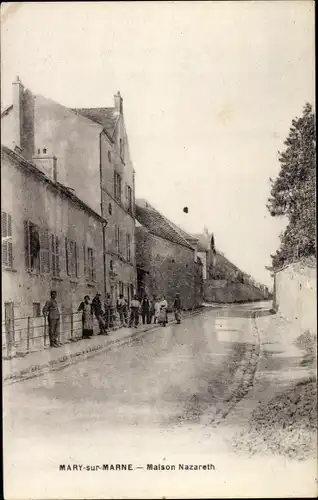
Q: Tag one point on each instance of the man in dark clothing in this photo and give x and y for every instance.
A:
(177, 308)
(109, 311)
(51, 311)
(97, 309)
(145, 309)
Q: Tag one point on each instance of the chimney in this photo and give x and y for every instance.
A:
(18, 89)
(46, 163)
(118, 100)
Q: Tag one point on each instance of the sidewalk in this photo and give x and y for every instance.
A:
(39, 362)
(279, 412)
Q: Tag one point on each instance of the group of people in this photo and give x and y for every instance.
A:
(154, 309)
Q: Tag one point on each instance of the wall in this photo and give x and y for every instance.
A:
(27, 198)
(124, 270)
(223, 291)
(73, 139)
(171, 269)
(295, 296)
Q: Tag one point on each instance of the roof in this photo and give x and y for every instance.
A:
(158, 224)
(5, 111)
(57, 186)
(106, 117)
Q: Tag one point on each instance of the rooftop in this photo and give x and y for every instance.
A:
(106, 117)
(159, 225)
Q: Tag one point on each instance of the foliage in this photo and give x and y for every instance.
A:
(293, 191)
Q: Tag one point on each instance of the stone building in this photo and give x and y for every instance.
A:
(166, 261)
(86, 150)
(51, 240)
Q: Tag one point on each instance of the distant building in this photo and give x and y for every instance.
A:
(166, 261)
(85, 150)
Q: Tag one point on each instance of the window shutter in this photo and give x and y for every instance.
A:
(76, 266)
(53, 254)
(85, 261)
(44, 252)
(27, 245)
(93, 266)
(67, 256)
(57, 255)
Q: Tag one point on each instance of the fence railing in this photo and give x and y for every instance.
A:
(27, 334)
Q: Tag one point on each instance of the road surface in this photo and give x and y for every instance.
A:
(148, 401)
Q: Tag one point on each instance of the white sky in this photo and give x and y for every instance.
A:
(209, 91)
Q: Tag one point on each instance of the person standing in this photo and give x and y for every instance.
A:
(121, 305)
(108, 312)
(51, 311)
(157, 309)
(134, 312)
(163, 318)
(145, 309)
(177, 308)
(87, 317)
(151, 310)
(97, 309)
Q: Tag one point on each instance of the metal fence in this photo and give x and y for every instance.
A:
(28, 334)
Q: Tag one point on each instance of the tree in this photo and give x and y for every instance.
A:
(293, 191)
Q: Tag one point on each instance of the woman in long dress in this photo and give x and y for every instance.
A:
(157, 310)
(163, 317)
(87, 317)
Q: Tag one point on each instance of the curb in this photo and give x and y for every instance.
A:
(68, 359)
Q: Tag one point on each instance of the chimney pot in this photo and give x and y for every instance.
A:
(118, 100)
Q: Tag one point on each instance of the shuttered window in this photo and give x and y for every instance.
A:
(117, 186)
(128, 249)
(117, 238)
(6, 239)
(91, 264)
(129, 199)
(71, 258)
(55, 249)
(32, 246)
(45, 267)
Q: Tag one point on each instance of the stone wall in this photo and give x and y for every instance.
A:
(170, 269)
(223, 291)
(295, 295)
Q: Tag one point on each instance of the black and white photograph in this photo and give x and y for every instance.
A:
(158, 228)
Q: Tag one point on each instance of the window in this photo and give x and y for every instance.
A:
(121, 150)
(6, 239)
(129, 199)
(71, 258)
(37, 252)
(55, 246)
(110, 210)
(91, 264)
(117, 237)
(128, 249)
(111, 265)
(109, 156)
(36, 309)
(120, 287)
(117, 186)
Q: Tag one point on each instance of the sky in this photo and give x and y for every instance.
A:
(209, 89)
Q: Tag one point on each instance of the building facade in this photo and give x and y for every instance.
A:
(85, 150)
(51, 240)
(166, 262)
